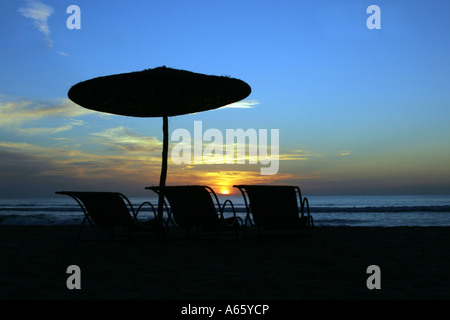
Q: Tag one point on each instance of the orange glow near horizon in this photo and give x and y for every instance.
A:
(222, 182)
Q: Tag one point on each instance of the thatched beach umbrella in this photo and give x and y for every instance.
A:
(158, 92)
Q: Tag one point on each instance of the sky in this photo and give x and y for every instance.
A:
(359, 111)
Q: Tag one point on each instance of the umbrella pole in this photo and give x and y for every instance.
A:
(162, 179)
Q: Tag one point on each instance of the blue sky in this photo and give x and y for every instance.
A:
(359, 111)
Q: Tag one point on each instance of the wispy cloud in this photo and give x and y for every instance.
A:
(15, 112)
(127, 140)
(299, 154)
(39, 13)
(62, 53)
(27, 164)
(246, 104)
(65, 164)
(39, 131)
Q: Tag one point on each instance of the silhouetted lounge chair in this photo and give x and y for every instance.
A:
(276, 207)
(198, 208)
(110, 210)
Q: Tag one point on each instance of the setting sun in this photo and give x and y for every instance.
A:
(225, 191)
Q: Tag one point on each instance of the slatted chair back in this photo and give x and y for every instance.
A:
(273, 206)
(104, 209)
(192, 206)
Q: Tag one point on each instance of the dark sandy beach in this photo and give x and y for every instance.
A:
(331, 264)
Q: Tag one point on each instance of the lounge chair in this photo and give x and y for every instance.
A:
(276, 207)
(110, 210)
(198, 208)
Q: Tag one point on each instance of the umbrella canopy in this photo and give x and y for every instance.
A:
(158, 92)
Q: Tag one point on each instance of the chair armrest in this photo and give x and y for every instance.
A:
(232, 207)
(169, 214)
(235, 218)
(305, 202)
(248, 208)
(308, 219)
(136, 219)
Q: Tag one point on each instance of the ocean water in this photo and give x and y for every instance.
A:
(368, 211)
